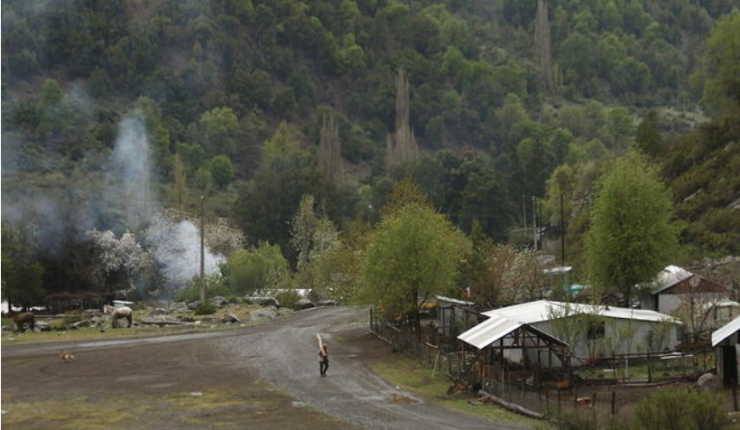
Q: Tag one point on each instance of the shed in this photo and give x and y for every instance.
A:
(725, 340)
(675, 285)
(606, 330)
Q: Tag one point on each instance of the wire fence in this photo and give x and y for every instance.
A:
(602, 387)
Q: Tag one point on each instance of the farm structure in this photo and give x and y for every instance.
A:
(725, 340)
(589, 331)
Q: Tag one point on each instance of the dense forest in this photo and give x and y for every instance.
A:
(295, 126)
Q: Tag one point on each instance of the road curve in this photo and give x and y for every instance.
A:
(284, 352)
(287, 356)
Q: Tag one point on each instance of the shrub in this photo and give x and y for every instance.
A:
(288, 299)
(205, 309)
(680, 411)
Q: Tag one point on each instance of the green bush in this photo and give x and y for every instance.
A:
(680, 411)
(288, 299)
(205, 309)
(574, 420)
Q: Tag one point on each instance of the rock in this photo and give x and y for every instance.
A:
(90, 313)
(304, 304)
(179, 308)
(79, 325)
(193, 305)
(42, 326)
(327, 303)
(708, 382)
(230, 319)
(157, 312)
(268, 312)
(219, 301)
(268, 301)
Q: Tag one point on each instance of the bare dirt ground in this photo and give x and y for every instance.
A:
(262, 377)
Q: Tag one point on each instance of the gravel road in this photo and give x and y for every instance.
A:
(282, 352)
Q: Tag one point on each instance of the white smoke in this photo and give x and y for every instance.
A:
(177, 250)
(176, 245)
(131, 170)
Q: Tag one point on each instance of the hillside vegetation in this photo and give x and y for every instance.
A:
(254, 104)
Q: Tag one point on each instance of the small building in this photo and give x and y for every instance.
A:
(590, 331)
(454, 316)
(725, 340)
(676, 286)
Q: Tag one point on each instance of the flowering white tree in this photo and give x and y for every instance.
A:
(117, 261)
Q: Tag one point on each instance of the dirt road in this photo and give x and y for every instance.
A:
(214, 380)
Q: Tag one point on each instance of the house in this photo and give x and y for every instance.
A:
(675, 287)
(725, 340)
(590, 331)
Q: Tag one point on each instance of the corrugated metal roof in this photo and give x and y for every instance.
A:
(455, 301)
(489, 331)
(725, 331)
(544, 310)
(505, 320)
(669, 277)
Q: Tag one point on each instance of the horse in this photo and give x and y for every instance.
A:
(23, 318)
(119, 313)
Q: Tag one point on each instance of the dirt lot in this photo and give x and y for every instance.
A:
(254, 377)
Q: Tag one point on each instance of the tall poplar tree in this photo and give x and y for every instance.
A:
(632, 237)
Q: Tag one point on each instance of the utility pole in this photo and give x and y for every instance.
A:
(562, 231)
(534, 220)
(202, 254)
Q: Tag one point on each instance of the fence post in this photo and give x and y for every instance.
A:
(614, 402)
(650, 374)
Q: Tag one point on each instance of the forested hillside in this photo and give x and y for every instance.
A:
(254, 104)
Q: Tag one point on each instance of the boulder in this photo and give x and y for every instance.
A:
(157, 312)
(268, 301)
(219, 301)
(709, 382)
(90, 313)
(230, 319)
(304, 304)
(327, 303)
(268, 312)
(193, 305)
(42, 326)
(179, 308)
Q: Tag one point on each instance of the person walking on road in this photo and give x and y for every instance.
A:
(323, 359)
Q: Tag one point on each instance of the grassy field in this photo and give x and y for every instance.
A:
(407, 373)
(58, 333)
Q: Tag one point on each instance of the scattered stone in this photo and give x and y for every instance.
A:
(230, 319)
(42, 326)
(268, 301)
(78, 325)
(327, 303)
(162, 321)
(179, 308)
(157, 312)
(268, 312)
(196, 394)
(91, 313)
(304, 304)
(708, 382)
(193, 305)
(219, 301)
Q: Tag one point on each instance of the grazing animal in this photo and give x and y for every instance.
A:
(119, 313)
(23, 318)
(66, 356)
